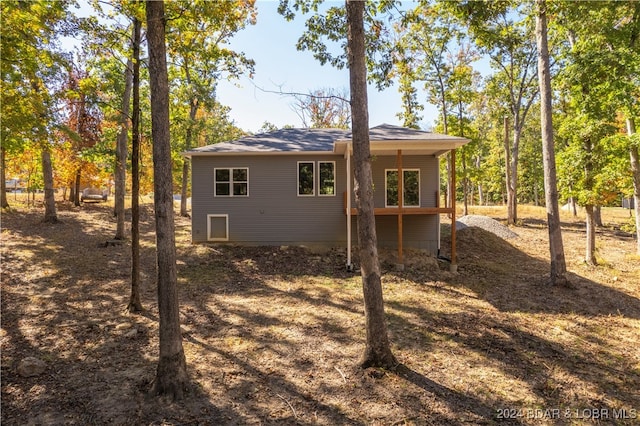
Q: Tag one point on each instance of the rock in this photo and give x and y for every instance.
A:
(31, 366)
(131, 334)
(124, 326)
(487, 224)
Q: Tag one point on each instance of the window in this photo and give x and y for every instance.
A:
(306, 178)
(231, 182)
(410, 188)
(327, 181)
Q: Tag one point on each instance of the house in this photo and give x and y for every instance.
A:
(295, 187)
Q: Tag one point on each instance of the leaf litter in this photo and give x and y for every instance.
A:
(273, 335)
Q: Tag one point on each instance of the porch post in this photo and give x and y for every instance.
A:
(452, 191)
(348, 154)
(400, 205)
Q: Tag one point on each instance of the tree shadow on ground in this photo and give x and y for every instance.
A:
(256, 279)
(458, 402)
(490, 274)
(551, 369)
(63, 300)
(271, 336)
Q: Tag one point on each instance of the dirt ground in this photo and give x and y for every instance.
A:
(273, 335)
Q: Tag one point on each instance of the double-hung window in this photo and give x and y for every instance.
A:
(410, 188)
(326, 178)
(231, 182)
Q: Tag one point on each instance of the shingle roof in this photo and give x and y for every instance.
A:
(283, 140)
(314, 140)
(388, 132)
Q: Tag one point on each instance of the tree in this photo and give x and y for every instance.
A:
(501, 30)
(83, 123)
(600, 75)
(427, 35)
(135, 305)
(29, 68)
(335, 24)
(556, 248)
(120, 175)
(323, 108)
(378, 350)
(171, 374)
(634, 148)
(4, 203)
(197, 47)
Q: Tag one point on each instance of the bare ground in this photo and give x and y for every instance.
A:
(274, 335)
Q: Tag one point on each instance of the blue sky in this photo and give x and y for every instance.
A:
(279, 66)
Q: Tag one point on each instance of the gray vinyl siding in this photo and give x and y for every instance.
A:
(273, 213)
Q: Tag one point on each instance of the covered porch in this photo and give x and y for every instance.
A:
(409, 143)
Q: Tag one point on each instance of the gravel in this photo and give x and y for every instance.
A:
(486, 223)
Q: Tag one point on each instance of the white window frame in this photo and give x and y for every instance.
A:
(313, 187)
(386, 203)
(226, 237)
(320, 194)
(231, 181)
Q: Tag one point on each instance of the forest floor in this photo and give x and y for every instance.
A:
(273, 335)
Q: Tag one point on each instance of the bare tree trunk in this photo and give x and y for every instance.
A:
(72, 190)
(193, 109)
(478, 164)
(597, 216)
(512, 185)
(558, 273)
(135, 305)
(4, 203)
(507, 169)
(635, 169)
(590, 252)
(171, 376)
(76, 186)
(50, 213)
(121, 154)
(465, 185)
(378, 349)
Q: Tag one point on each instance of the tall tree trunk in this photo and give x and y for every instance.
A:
(478, 164)
(76, 186)
(50, 213)
(512, 184)
(445, 122)
(72, 190)
(135, 305)
(171, 376)
(465, 184)
(597, 216)
(378, 349)
(121, 153)
(590, 249)
(507, 169)
(558, 272)
(193, 109)
(635, 169)
(4, 203)
(590, 246)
